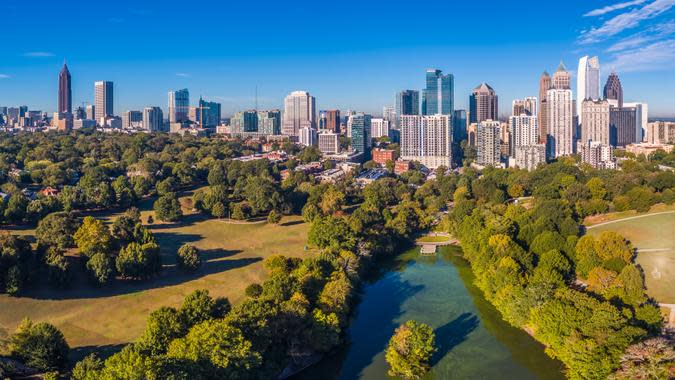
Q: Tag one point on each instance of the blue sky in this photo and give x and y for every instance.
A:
(349, 54)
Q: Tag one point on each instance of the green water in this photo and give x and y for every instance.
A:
(473, 341)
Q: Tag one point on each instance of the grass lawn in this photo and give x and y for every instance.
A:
(611, 216)
(654, 238)
(433, 239)
(95, 319)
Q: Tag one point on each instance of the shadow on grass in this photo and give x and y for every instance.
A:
(103, 352)
(292, 223)
(453, 333)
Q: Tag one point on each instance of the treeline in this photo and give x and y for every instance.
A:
(100, 171)
(582, 297)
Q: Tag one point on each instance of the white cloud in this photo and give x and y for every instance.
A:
(4, 76)
(625, 21)
(651, 34)
(612, 8)
(656, 56)
(183, 75)
(38, 54)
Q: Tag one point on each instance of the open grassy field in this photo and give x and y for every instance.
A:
(654, 237)
(94, 318)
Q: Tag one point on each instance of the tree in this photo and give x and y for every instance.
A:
(410, 349)
(163, 326)
(41, 346)
(187, 258)
(57, 229)
(253, 290)
(273, 217)
(324, 331)
(331, 232)
(138, 261)
(124, 226)
(59, 271)
(332, 201)
(87, 368)
(15, 210)
(197, 307)
(167, 208)
(101, 268)
(653, 358)
(93, 237)
(218, 210)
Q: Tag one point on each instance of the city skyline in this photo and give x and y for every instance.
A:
(144, 74)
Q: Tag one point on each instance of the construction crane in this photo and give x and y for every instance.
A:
(201, 112)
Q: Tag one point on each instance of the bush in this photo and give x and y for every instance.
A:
(254, 290)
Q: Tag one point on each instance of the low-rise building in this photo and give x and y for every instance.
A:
(596, 154)
(402, 166)
(381, 156)
(648, 148)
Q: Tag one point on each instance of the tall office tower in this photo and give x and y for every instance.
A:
(103, 99)
(131, 119)
(299, 112)
(530, 156)
(527, 106)
(153, 119)
(523, 130)
(91, 112)
(23, 110)
(330, 120)
(561, 78)
(211, 113)
(379, 127)
(439, 93)
(427, 139)
(408, 102)
(560, 134)
(588, 81)
(361, 139)
(641, 118)
(329, 142)
(65, 95)
(269, 122)
(459, 126)
(483, 104)
(244, 121)
(623, 126)
(595, 121)
(613, 91)
(308, 136)
(542, 117)
(179, 105)
(488, 143)
(423, 101)
(389, 114)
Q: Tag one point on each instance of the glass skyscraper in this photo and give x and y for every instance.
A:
(439, 93)
(360, 123)
(408, 102)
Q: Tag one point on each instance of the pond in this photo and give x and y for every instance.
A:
(473, 341)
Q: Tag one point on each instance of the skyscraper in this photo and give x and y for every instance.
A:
(561, 78)
(361, 125)
(65, 103)
(103, 99)
(641, 118)
(179, 105)
(379, 127)
(427, 139)
(613, 91)
(439, 93)
(527, 106)
(544, 86)
(269, 122)
(389, 114)
(595, 121)
(153, 119)
(560, 122)
(131, 119)
(299, 112)
(244, 121)
(330, 120)
(459, 126)
(91, 112)
(483, 104)
(588, 81)
(624, 128)
(408, 102)
(210, 112)
(488, 143)
(523, 130)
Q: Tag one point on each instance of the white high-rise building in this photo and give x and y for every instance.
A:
(527, 106)
(179, 105)
(379, 128)
(588, 80)
(523, 131)
(103, 99)
(307, 136)
(488, 143)
(299, 112)
(596, 154)
(560, 134)
(427, 139)
(153, 119)
(329, 142)
(642, 118)
(530, 156)
(595, 121)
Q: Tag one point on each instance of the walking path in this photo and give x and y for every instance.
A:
(629, 218)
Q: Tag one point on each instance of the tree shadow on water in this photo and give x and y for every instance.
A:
(453, 333)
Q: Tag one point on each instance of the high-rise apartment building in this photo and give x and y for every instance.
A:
(65, 101)
(527, 106)
(103, 99)
(408, 103)
(329, 142)
(588, 81)
(661, 132)
(308, 136)
(542, 117)
(641, 118)
(560, 134)
(244, 121)
(483, 104)
(269, 122)
(596, 154)
(361, 139)
(330, 120)
(132, 119)
(623, 125)
(179, 106)
(379, 127)
(595, 121)
(613, 91)
(299, 112)
(427, 139)
(488, 143)
(153, 119)
(439, 93)
(530, 156)
(561, 78)
(523, 130)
